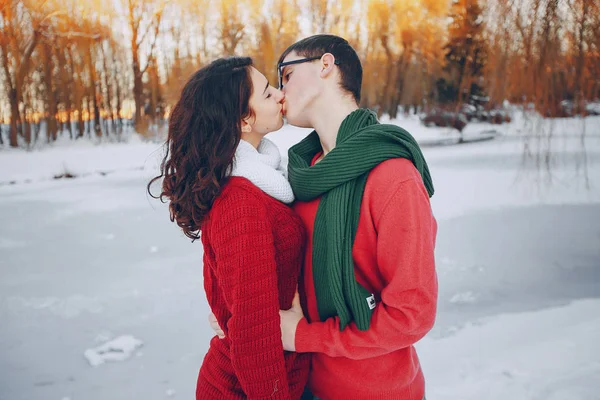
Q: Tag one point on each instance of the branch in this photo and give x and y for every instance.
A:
(5, 65)
(133, 20)
(159, 16)
(40, 6)
(156, 17)
(68, 35)
(37, 31)
(141, 40)
(52, 14)
(520, 26)
(26, 57)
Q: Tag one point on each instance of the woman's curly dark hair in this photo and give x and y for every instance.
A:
(204, 132)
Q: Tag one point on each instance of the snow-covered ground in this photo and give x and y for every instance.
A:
(101, 296)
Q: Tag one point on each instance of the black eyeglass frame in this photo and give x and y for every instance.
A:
(299, 61)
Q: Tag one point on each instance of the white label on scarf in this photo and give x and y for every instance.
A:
(371, 301)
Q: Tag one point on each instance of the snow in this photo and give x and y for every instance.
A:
(547, 354)
(86, 260)
(593, 108)
(118, 349)
(81, 158)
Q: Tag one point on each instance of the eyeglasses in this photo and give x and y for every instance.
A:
(280, 67)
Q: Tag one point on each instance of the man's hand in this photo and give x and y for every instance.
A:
(214, 324)
(289, 322)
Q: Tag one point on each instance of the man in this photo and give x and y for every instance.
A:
(369, 287)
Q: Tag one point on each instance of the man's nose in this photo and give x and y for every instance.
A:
(281, 96)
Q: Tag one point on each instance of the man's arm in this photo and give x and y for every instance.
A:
(405, 256)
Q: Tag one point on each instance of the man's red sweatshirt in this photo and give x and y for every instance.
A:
(394, 259)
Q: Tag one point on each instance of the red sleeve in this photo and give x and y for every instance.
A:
(245, 258)
(405, 257)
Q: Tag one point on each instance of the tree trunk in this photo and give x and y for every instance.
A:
(138, 71)
(119, 117)
(68, 123)
(27, 127)
(154, 91)
(66, 85)
(108, 88)
(36, 132)
(138, 87)
(51, 106)
(95, 111)
(401, 74)
(580, 61)
(15, 118)
(389, 71)
(13, 99)
(90, 111)
(548, 39)
(80, 122)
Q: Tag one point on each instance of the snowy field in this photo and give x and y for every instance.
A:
(87, 260)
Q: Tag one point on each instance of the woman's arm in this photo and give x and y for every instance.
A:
(242, 240)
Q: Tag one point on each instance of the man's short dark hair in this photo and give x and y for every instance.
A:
(349, 63)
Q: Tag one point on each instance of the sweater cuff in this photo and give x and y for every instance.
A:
(305, 337)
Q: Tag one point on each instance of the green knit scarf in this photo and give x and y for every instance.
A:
(340, 178)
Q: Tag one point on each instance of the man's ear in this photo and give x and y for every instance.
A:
(327, 64)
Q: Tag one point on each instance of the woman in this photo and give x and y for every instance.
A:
(224, 179)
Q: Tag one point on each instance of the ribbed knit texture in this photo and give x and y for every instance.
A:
(362, 144)
(394, 258)
(262, 166)
(253, 251)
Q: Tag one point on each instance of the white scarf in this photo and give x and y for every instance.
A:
(263, 168)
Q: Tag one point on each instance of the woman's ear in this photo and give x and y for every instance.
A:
(246, 126)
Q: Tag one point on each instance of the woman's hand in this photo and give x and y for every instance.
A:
(214, 324)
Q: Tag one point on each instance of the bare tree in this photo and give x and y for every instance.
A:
(231, 30)
(278, 29)
(144, 19)
(50, 99)
(22, 28)
(582, 11)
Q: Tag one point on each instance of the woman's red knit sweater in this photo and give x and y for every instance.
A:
(253, 252)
